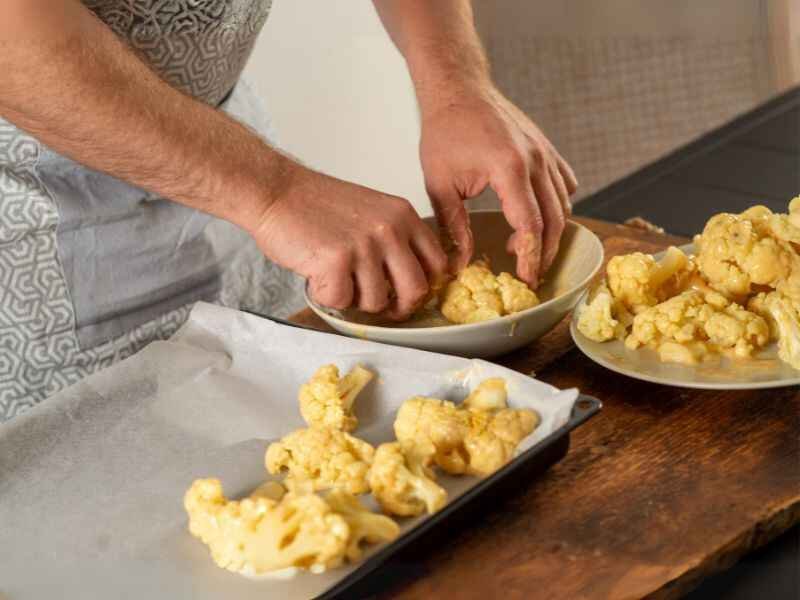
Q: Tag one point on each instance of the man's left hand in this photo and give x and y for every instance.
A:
(480, 138)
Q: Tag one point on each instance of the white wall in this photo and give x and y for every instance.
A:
(341, 99)
(339, 94)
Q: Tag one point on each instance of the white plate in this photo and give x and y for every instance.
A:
(578, 261)
(766, 370)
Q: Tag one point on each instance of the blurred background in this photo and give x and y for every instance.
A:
(615, 84)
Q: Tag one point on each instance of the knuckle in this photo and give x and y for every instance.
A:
(559, 221)
(536, 225)
(387, 231)
(539, 159)
(514, 163)
(339, 258)
(406, 211)
(363, 247)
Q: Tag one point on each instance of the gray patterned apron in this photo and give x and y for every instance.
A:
(91, 268)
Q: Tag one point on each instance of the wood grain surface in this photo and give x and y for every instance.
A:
(663, 488)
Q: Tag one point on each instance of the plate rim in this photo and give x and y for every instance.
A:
(580, 341)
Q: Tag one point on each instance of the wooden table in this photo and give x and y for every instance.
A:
(663, 488)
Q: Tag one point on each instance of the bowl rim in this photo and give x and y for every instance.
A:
(506, 319)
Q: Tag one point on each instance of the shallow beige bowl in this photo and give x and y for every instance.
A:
(578, 261)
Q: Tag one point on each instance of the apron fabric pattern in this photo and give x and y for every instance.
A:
(198, 46)
(46, 345)
(39, 352)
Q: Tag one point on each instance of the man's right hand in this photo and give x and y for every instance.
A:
(356, 246)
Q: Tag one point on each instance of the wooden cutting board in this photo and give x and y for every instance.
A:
(663, 488)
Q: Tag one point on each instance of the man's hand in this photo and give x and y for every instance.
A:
(473, 137)
(67, 79)
(356, 246)
(480, 139)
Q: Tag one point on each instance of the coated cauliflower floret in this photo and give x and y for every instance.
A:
(737, 252)
(258, 534)
(478, 295)
(783, 315)
(365, 526)
(695, 320)
(402, 484)
(320, 458)
(516, 294)
(602, 318)
(461, 440)
(429, 427)
(493, 438)
(489, 394)
(785, 227)
(327, 401)
(638, 282)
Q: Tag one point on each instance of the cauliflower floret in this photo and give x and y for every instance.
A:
(695, 320)
(737, 252)
(785, 227)
(402, 484)
(783, 315)
(516, 294)
(477, 295)
(490, 394)
(461, 440)
(602, 318)
(493, 438)
(794, 211)
(320, 458)
(429, 427)
(327, 401)
(257, 534)
(365, 526)
(638, 282)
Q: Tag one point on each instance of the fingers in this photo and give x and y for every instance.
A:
(561, 189)
(520, 206)
(448, 206)
(567, 174)
(430, 253)
(333, 287)
(552, 210)
(408, 280)
(371, 286)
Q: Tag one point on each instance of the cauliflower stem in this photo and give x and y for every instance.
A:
(402, 484)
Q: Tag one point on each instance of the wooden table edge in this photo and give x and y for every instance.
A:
(781, 517)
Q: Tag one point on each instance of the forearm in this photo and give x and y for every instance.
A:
(440, 45)
(67, 79)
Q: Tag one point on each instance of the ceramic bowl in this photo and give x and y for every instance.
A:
(579, 259)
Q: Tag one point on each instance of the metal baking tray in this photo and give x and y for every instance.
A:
(532, 462)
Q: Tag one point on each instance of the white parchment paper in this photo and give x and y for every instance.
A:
(92, 480)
